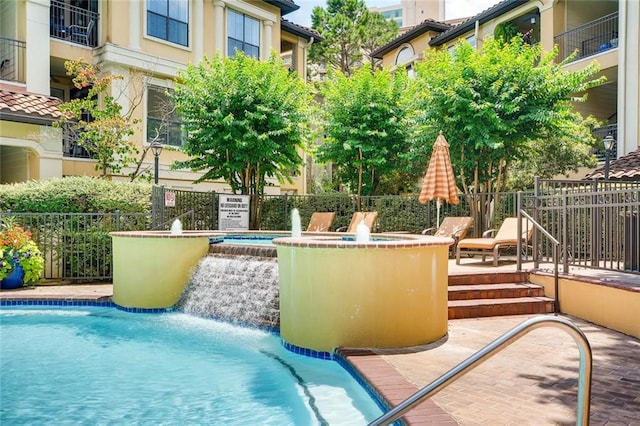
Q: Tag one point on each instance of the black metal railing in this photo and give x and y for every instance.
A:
(600, 133)
(589, 39)
(71, 146)
(73, 24)
(77, 246)
(12, 60)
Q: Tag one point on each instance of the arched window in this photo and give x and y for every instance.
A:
(405, 55)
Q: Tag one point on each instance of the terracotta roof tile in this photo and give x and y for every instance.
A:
(30, 104)
(624, 168)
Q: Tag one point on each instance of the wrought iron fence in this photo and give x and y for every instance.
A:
(77, 246)
(12, 60)
(596, 222)
(589, 39)
(395, 213)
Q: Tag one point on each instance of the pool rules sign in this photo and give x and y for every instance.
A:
(233, 212)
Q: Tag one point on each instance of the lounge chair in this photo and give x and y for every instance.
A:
(369, 219)
(453, 227)
(321, 222)
(507, 236)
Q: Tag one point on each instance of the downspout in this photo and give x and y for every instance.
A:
(477, 33)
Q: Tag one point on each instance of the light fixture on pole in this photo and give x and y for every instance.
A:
(608, 142)
(156, 149)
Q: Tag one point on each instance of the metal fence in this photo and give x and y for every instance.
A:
(77, 246)
(395, 212)
(596, 222)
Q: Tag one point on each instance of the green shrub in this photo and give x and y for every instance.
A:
(76, 195)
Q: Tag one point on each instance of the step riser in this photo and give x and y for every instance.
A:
(495, 294)
(542, 307)
(501, 278)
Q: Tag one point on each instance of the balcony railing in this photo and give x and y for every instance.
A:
(70, 145)
(589, 39)
(73, 24)
(600, 134)
(12, 60)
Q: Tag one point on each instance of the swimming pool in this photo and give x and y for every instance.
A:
(100, 365)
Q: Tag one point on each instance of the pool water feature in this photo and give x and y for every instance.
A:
(234, 288)
(106, 366)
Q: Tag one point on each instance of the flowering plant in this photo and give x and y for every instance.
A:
(16, 246)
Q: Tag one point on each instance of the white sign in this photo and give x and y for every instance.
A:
(233, 212)
(169, 199)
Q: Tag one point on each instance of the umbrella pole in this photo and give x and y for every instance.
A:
(438, 203)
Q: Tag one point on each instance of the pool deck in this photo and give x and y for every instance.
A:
(532, 382)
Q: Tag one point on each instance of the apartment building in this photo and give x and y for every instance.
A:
(606, 31)
(145, 41)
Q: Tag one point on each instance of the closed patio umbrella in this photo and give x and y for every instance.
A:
(439, 183)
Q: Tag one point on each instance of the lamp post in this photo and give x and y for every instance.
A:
(156, 148)
(608, 142)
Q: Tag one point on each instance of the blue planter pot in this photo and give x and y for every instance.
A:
(15, 279)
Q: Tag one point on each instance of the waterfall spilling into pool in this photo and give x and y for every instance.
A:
(234, 288)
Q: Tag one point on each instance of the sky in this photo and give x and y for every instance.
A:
(453, 8)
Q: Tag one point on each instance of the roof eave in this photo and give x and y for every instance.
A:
(408, 36)
(300, 31)
(485, 16)
(285, 6)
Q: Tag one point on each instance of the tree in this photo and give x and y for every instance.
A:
(245, 121)
(495, 104)
(366, 135)
(97, 120)
(349, 32)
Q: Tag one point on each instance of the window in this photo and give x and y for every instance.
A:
(168, 20)
(405, 55)
(163, 122)
(243, 34)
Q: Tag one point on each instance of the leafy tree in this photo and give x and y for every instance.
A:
(245, 121)
(366, 136)
(497, 104)
(349, 32)
(98, 122)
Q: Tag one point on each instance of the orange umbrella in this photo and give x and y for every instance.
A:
(439, 183)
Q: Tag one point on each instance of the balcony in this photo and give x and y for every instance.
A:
(12, 60)
(73, 24)
(589, 39)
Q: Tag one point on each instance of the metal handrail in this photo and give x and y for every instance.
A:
(556, 249)
(584, 379)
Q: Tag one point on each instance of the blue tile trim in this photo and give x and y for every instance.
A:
(53, 302)
(306, 352)
(383, 404)
(144, 310)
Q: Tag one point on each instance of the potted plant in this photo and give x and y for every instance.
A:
(20, 259)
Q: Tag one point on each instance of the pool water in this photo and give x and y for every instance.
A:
(95, 365)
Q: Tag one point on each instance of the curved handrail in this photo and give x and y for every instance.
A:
(584, 380)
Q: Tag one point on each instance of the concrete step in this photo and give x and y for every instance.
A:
(494, 291)
(475, 308)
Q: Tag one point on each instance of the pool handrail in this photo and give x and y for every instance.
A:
(584, 378)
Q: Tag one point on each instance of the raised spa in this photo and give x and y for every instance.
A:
(379, 294)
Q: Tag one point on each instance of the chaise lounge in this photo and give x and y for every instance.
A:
(321, 222)
(507, 236)
(369, 219)
(453, 227)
